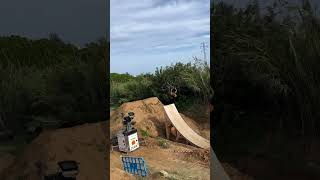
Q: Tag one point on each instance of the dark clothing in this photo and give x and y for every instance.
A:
(172, 100)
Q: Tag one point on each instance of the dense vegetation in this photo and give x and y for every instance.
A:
(47, 83)
(191, 80)
(266, 79)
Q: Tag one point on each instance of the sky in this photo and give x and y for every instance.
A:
(146, 34)
(75, 21)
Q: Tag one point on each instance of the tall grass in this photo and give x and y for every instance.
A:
(271, 60)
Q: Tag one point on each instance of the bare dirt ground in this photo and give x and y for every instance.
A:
(180, 161)
(85, 144)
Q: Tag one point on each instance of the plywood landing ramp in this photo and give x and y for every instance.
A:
(184, 129)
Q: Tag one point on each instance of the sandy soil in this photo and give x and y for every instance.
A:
(85, 144)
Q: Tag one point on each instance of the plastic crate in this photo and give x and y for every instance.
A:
(134, 165)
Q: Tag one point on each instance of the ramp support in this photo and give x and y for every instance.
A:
(170, 129)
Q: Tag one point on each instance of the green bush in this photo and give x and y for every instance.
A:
(51, 84)
(144, 133)
(192, 81)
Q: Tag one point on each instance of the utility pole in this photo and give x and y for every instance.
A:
(203, 47)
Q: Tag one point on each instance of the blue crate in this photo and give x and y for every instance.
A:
(134, 165)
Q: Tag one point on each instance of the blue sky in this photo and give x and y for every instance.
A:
(146, 34)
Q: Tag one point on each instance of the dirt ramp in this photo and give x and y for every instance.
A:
(149, 116)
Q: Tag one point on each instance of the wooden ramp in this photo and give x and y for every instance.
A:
(184, 129)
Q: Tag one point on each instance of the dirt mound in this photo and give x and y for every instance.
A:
(149, 116)
(86, 144)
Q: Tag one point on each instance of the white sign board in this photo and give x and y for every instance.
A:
(133, 141)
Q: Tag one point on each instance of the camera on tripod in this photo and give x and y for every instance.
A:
(128, 136)
(128, 119)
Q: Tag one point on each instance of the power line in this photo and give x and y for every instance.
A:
(203, 47)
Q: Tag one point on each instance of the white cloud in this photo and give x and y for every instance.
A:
(149, 27)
